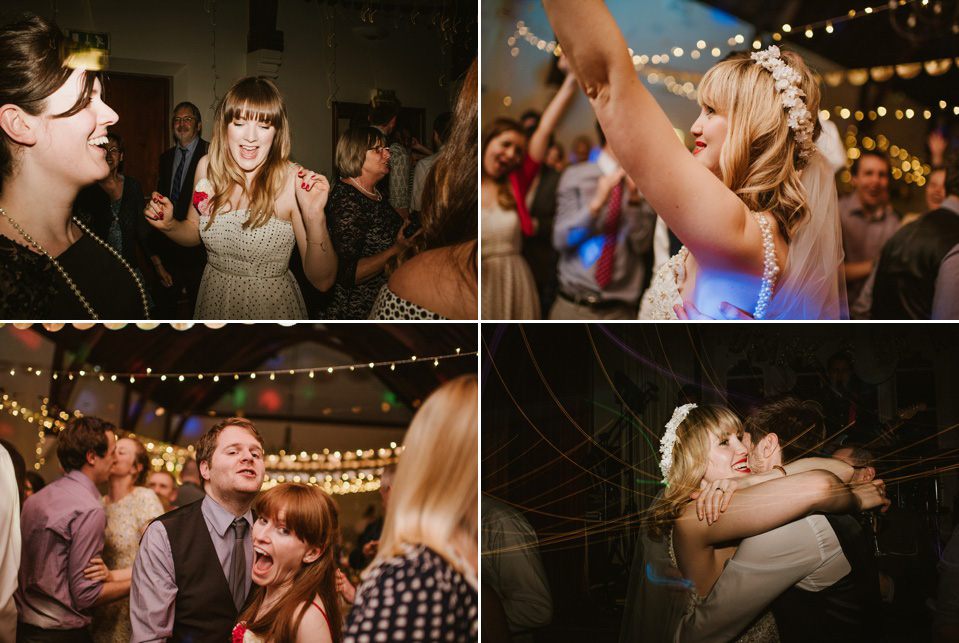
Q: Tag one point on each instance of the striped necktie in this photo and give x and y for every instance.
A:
(604, 269)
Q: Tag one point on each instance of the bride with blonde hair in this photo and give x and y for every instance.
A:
(251, 206)
(703, 451)
(755, 205)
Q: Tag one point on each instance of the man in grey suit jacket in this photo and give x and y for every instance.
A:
(592, 240)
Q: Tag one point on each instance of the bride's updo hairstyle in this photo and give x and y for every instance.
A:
(690, 458)
(760, 159)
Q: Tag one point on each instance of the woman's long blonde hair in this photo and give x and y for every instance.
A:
(257, 99)
(434, 497)
(690, 458)
(760, 160)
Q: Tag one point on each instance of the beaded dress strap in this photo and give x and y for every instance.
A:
(770, 267)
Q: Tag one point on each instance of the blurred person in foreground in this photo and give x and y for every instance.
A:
(426, 563)
(440, 282)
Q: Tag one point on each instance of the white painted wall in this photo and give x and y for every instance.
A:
(174, 38)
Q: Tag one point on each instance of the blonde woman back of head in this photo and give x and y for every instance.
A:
(427, 557)
(754, 205)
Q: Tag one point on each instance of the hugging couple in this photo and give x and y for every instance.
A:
(769, 548)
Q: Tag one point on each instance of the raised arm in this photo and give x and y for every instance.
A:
(766, 506)
(715, 496)
(679, 188)
(309, 227)
(539, 141)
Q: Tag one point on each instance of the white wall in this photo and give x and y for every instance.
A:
(174, 38)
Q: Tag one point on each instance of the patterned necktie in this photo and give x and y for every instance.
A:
(238, 564)
(175, 192)
(604, 268)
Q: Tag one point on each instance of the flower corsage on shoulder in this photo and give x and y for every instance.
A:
(201, 197)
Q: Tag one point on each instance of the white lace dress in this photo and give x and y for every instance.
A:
(763, 629)
(663, 291)
(247, 275)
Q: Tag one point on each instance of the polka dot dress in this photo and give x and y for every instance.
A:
(247, 275)
(389, 305)
(414, 597)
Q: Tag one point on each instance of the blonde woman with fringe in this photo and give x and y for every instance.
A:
(754, 205)
(702, 450)
(251, 206)
(422, 584)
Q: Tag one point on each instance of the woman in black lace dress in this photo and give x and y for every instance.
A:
(53, 125)
(365, 229)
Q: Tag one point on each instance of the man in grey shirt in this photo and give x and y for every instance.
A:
(192, 573)
(868, 220)
(588, 232)
(441, 132)
(62, 528)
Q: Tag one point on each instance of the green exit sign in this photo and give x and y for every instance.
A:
(91, 40)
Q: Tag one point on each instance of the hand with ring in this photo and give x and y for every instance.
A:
(713, 498)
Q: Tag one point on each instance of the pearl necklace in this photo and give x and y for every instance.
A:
(770, 268)
(375, 194)
(66, 277)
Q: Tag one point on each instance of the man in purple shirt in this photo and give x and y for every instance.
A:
(193, 570)
(868, 220)
(62, 528)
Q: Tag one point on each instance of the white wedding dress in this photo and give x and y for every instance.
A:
(812, 284)
(762, 630)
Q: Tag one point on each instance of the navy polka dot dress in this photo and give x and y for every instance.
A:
(414, 597)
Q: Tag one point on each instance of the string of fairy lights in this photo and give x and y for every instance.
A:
(685, 86)
(54, 327)
(337, 473)
(904, 165)
(271, 374)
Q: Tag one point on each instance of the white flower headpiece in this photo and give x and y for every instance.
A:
(787, 84)
(669, 438)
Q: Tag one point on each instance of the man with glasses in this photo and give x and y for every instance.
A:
(179, 268)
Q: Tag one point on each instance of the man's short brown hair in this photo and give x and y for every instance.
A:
(79, 437)
(206, 445)
(799, 425)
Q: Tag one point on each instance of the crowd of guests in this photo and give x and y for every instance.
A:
(393, 235)
(571, 237)
(214, 559)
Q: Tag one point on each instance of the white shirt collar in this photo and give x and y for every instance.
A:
(606, 163)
